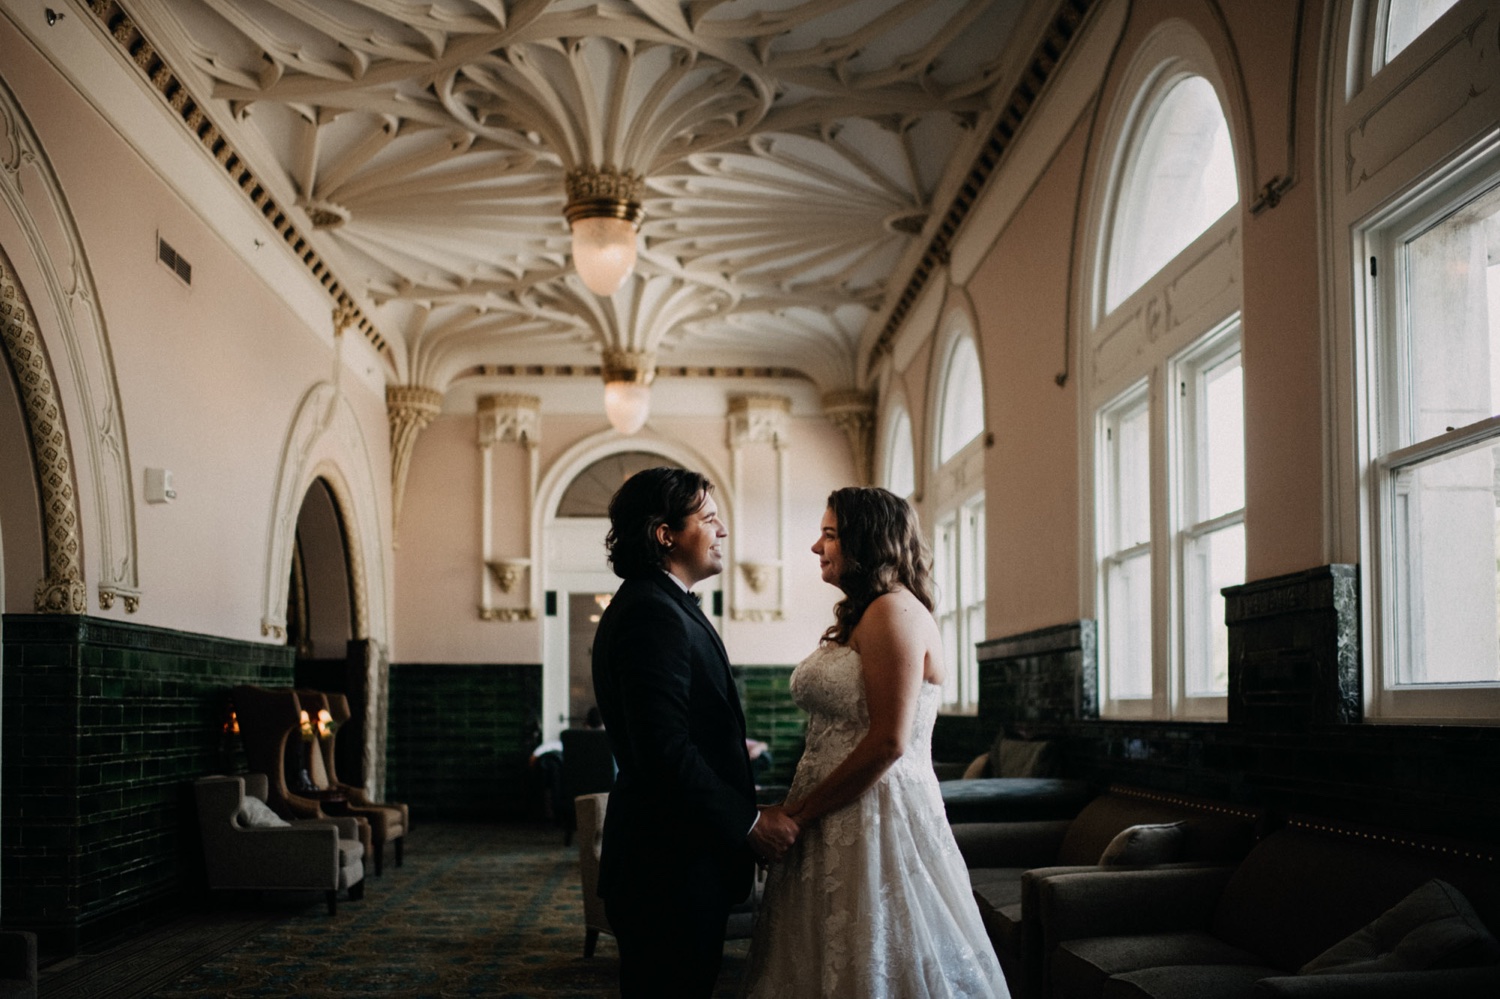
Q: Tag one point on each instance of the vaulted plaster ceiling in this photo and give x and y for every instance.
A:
(797, 156)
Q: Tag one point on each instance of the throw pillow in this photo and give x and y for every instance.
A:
(1148, 843)
(1433, 927)
(1023, 758)
(258, 815)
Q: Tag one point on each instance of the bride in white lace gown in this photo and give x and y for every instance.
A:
(873, 901)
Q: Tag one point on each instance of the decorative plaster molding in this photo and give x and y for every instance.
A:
(509, 417)
(508, 572)
(62, 591)
(121, 29)
(507, 614)
(31, 190)
(758, 616)
(853, 412)
(758, 574)
(409, 408)
(759, 419)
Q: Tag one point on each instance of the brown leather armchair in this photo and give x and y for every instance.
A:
(389, 821)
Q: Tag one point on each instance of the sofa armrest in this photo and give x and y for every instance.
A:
(1450, 983)
(1010, 844)
(1119, 903)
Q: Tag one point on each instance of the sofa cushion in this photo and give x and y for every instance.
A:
(1221, 981)
(1433, 927)
(1079, 968)
(256, 814)
(1145, 843)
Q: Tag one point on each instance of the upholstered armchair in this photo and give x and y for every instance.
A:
(247, 846)
(389, 821)
(270, 717)
(590, 810)
(588, 767)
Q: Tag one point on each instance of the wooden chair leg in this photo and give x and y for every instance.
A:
(400, 849)
(333, 902)
(590, 938)
(379, 859)
(357, 891)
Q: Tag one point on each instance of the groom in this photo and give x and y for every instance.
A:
(682, 831)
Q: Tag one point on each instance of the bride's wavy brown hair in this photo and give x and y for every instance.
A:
(881, 544)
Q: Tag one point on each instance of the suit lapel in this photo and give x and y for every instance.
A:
(725, 679)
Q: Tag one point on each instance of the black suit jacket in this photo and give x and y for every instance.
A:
(684, 797)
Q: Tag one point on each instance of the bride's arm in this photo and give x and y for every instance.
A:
(892, 651)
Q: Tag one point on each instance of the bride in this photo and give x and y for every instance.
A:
(873, 900)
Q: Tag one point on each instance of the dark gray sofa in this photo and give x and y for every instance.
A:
(1008, 860)
(1244, 933)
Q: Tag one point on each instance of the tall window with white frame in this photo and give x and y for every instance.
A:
(1435, 465)
(957, 503)
(1165, 401)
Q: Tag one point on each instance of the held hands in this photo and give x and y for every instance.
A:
(774, 834)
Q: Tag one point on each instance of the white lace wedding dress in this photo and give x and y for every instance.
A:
(873, 902)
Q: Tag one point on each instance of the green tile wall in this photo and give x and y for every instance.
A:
(459, 738)
(770, 716)
(105, 726)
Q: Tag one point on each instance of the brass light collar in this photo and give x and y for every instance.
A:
(604, 192)
(637, 367)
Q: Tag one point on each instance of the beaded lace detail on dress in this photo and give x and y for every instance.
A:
(873, 901)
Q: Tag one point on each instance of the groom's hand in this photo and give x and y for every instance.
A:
(774, 833)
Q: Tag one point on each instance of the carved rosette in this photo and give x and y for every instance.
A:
(62, 590)
(409, 408)
(510, 417)
(759, 419)
(853, 412)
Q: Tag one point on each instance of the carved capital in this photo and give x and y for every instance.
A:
(61, 596)
(759, 419)
(509, 417)
(853, 412)
(507, 614)
(508, 572)
(759, 574)
(409, 408)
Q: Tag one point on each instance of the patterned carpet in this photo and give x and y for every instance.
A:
(477, 910)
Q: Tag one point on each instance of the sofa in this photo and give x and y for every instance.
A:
(1008, 860)
(1317, 909)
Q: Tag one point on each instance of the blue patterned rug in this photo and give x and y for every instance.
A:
(477, 910)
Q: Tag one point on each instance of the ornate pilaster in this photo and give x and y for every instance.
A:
(758, 591)
(506, 418)
(853, 412)
(62, 590)
(409, 408)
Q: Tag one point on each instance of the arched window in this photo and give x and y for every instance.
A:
(900, 462)
(1168, 520)
(1406, 19)
(955, 504)
(963, 400)
(1177, 182)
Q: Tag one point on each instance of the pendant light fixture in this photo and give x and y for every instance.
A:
(604, 212)
(628, 375)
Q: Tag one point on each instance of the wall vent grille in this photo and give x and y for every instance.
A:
(174, 261)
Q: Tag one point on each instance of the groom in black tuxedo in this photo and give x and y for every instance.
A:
(682, 831)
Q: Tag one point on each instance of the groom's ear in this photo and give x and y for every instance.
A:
(663, 535)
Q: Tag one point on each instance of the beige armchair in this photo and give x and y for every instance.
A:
(590, 810)
(306, 854)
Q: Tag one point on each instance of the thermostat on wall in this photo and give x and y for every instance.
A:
(159, 486)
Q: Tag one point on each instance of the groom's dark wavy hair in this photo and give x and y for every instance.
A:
(648, 499)
(882, 548)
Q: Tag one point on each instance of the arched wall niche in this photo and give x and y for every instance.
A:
(958, 321)
(321, 602)
(83, 446)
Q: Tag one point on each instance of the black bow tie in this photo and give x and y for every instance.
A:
(695, 598)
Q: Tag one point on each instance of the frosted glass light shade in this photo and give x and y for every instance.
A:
(603, 253)
(627, 404)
